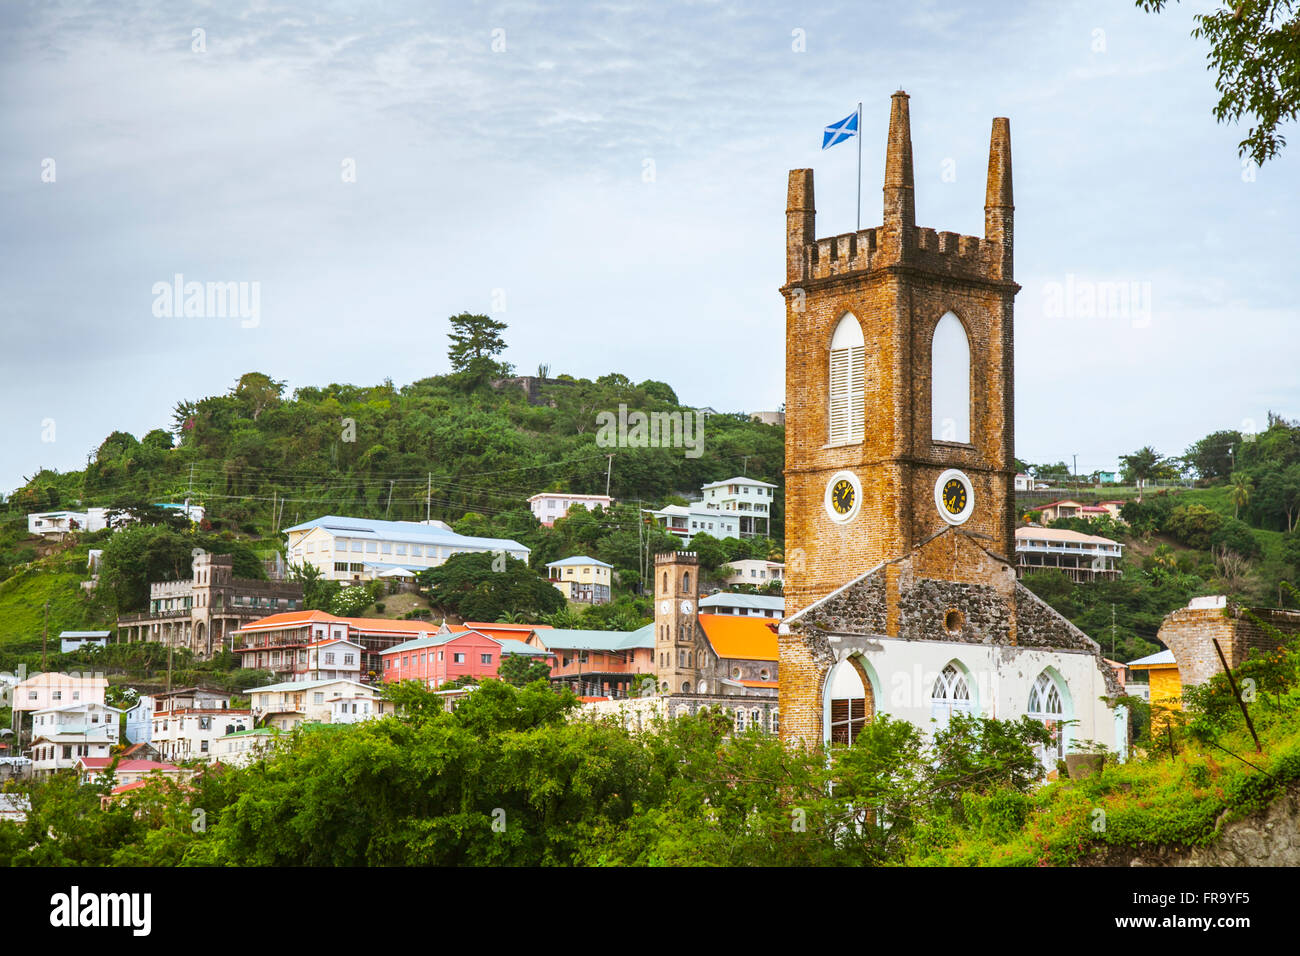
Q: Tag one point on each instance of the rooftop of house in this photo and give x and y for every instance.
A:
(570, 497)
(410, 531)
(1159, 659)
(740, 480)
(568, 639)
(285, 687)
(83, 634)
(1061, 535)
(741, 638)
(578, 560)
(763, 602)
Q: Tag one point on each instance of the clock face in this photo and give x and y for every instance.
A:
(666, 607)
(843, 497)
(954, 496)
(686, 607)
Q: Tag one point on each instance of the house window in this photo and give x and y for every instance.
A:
(485, 658)
(349, 658)
(318, 698)
(459, 659)
(847, 380)
(203, 746)
(950, 381)
(329, 657)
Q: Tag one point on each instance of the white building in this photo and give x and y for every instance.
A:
(58, 523)
(549, 506)
(70, 641)
(1079, 556)
(356, 549)
(747, 498)
(687, 522)
(191, 733)
(333, 659)
(755, 571)
(743, 605)
(62, 735)
(288, 705)
(351, 709)
(245, 746)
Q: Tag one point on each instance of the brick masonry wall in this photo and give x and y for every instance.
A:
(1190, 634)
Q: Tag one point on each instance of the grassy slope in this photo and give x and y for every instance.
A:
(22, 608)
(1151, 802)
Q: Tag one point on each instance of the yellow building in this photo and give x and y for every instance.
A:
(1165, 682)
(581, 578)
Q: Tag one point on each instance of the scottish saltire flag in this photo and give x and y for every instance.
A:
(839, 132)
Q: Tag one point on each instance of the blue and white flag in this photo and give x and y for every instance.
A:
(839, 132)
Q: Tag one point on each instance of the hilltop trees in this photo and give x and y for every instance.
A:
(475, 339)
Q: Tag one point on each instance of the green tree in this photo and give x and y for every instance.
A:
(520, 669)
(481, 587)
(1140, 467)
(1255, 49)
(257, 392)
(1241, 489)
(475, 339)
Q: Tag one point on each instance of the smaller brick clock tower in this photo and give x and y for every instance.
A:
(677, 650)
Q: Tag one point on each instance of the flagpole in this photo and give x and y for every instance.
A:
(859, 229)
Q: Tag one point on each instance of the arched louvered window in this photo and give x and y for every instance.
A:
(848, 374)
(1045, 705)
(950, 381)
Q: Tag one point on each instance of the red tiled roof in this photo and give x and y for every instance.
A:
(758, 683)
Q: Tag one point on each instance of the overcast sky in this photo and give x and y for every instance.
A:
(610, 181)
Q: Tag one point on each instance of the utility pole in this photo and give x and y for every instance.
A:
(390, 497)
(744, 466)
(1076, 471)
(609, 470)
(428, 498)
(1112, 631)
(45, 634)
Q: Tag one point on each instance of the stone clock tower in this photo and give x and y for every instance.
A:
(677, 640)
(898, 385)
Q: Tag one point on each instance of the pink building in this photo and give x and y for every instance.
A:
(451, 653)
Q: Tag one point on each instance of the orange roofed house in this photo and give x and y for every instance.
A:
(317, 645)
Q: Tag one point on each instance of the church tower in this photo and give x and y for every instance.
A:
(901, 591)
(677, 650)
(899, 391)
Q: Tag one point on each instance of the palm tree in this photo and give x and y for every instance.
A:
(1241, 489)
(1141, 466)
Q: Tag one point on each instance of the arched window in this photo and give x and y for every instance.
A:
(851, 703)
(686, 581)
(950, 381)
(1045, 704)
(847, 378)
(686, 687)
(949, 695)
(665, 583)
